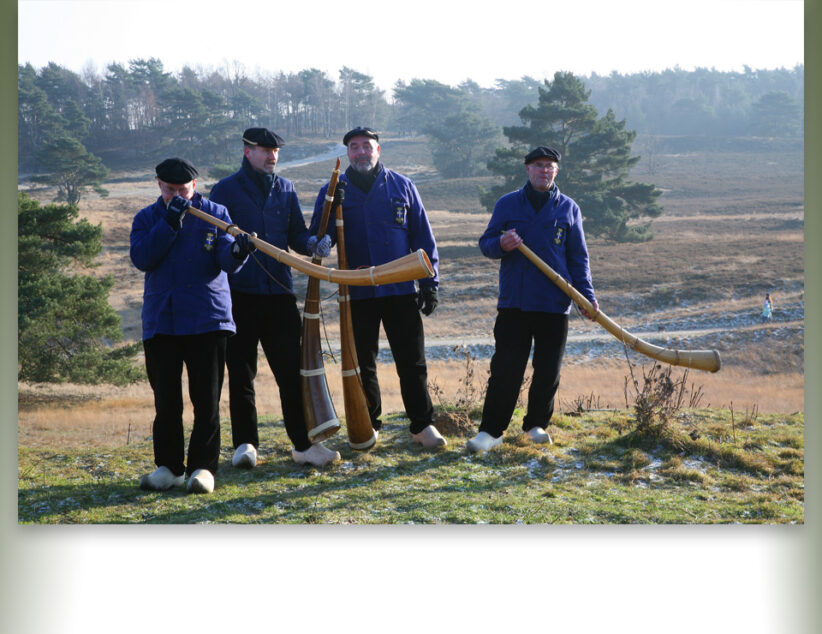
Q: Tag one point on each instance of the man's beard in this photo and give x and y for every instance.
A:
(363, 167)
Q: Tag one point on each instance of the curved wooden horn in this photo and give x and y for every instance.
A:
(361, 435)
(413, 266)
(707, 360)
(320, 418)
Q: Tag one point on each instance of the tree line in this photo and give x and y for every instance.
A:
(135, 112)
(140, 111)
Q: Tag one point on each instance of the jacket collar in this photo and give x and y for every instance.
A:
(248, 181)
(554, 193)
(364, 182)
(263, 182)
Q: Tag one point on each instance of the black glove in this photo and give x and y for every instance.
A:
(427, 300)
(339, 195)
(175, 211)
(242, 245)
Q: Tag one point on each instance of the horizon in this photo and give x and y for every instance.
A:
(257, 76)
(636, 36)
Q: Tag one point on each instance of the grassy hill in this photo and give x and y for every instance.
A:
(594, 473)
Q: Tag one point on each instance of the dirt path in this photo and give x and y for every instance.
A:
(338, 150)
(433, 345)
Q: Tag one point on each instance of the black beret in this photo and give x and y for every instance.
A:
(176, 171)
(542, 152)
(358, 131)
(263, 137)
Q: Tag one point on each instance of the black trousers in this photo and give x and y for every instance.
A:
(274, 322)
(514, 331)
(403, 327)
(204, 358)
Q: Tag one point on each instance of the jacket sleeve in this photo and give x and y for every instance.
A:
(422, 236)
(151, 239)
(577, 258)
(297, 231)
(218, 194)
(225, 242)
(489, 241)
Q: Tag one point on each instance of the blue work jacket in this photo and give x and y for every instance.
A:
(385, 224)
(555, 234)
(186, 287)
(275, 218)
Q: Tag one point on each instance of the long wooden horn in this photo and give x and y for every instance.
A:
(361, 434)
(413, 266)
(707, 360)
(320, 418)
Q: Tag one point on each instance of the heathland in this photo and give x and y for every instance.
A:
(732, 230)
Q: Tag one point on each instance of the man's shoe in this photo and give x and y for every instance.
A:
(245, 457)
(430, 438)
(538, 435)
(201, 481)
(318, 455)
(483, 441)
(161, 479)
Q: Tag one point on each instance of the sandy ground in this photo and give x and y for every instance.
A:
(75, 416)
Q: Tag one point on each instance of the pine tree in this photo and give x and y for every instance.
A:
(65, 326)
(776, 113)
(37, 120)
(424, 102)
(460, 143)
(460, 136)
(71, 168)
(596, 159)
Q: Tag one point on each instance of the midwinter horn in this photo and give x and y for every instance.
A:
(320, 418)
(413, 266)
(707, 360)
(361, 435)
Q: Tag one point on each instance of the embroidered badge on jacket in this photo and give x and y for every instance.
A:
(399, 212)
(559, 236)
(208, 245)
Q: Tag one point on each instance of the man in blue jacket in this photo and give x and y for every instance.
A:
(531, 308)
(186, 321)
(265, 307)
(385, 220)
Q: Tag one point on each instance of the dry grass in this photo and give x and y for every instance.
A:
(81, 416)
(783, 393)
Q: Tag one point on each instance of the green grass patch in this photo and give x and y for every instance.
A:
(592, 474)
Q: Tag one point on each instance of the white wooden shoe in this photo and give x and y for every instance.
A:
(318, 455)
(539, 435)
(483, 441)
(201, 481)
(430, 438)
(245, 457)
(161, 479)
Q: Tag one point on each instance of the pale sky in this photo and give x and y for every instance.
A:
(430, 39)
